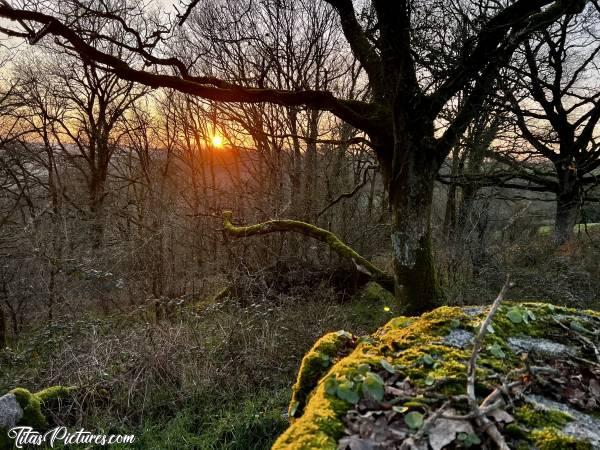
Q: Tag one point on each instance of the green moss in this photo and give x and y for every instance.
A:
(32, 403)
(373, 292)
(314, 365)
(32, 408)
(415, 346)
(550, 439)
(535, 418)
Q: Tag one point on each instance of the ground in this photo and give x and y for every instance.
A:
(406, 383)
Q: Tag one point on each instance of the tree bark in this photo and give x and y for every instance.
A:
(411, 198)
(3, 339)
(567, 207)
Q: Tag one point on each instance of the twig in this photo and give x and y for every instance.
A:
(581, 337)
(479, 340)
(482, 421)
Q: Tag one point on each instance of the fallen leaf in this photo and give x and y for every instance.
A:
(499, 415)
(357, 443)
(444, 431)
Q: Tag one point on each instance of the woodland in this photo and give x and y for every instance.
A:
(193, 193)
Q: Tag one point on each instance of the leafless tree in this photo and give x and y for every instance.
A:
(400, 117)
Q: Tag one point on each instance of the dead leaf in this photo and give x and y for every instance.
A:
(499, 415)
(357, 443)
(444, 431)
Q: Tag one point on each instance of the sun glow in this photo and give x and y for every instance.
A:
(216, 141)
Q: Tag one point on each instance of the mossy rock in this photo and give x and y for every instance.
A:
(30, 408)
(378, 391)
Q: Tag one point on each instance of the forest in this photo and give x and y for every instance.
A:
(254, 224)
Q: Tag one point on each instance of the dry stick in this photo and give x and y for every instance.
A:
(582, 338)
(485, 423)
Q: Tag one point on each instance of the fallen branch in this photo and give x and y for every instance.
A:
(295, 226)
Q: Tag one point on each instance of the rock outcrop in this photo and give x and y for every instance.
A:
(536, 385)
(22, 407)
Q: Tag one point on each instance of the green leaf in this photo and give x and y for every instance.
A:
(294, 409)
(490, 329)
(399, 409)
(429, 380)
(331, 385)
(414, 420)
(363, 369)
(496, 351)
(530, 314)
(373, 386)
(427, 360)
(324, 360)
(387, 366)
(346, 391)
(515, 315)
(469, 439)
(455, 323)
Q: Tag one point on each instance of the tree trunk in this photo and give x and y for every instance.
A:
(96, 192)
(411, 198)
(3, 339)
(567, 208)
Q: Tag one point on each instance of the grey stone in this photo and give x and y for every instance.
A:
(459, 338)
(539, 345)
(582, 427)
(10, 411)
(473, 310)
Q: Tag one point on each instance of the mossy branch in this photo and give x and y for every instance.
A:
(295, 226)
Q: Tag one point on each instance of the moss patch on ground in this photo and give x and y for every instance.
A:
(416, 363)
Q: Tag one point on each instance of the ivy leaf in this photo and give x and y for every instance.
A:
(363, 369)
(469, 439)
(497, 351)
(324, 360)
(373, 386)
(331, 385)
(346, 391)
(387, 366)
(515, 315)
(427, 360)
(414, 420)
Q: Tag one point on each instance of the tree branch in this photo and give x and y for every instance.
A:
(359, 114)
(295, 226)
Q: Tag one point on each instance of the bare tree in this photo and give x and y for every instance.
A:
(554, 97)
(400, 117)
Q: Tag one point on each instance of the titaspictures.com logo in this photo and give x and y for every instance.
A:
(27, 436)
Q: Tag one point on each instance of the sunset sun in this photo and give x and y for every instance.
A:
(216, 141)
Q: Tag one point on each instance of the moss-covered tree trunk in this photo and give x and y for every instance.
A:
(411, 198)
(567, 206)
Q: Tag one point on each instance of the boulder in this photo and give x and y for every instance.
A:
(536, 383)
(24, 408)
